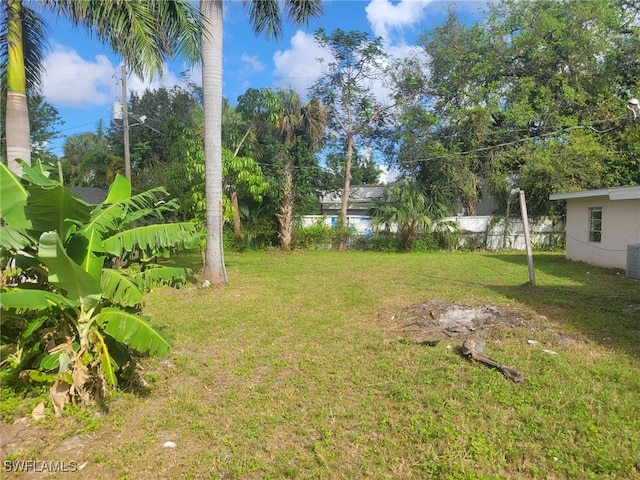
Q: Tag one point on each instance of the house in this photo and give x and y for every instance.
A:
(361, 200)
(602, 224)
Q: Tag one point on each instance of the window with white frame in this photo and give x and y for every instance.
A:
(595, 225)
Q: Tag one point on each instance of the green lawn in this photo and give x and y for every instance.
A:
(295, 370)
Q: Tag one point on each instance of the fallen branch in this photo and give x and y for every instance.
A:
(473, 347)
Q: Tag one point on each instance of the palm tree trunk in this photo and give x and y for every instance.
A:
(213, 271)
(285, 217)
(345, 195)
(17, 115)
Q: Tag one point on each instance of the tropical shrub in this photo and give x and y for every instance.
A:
(72, 282)
(406, 209)
(318, 235)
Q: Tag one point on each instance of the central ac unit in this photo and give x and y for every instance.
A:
(633, 261)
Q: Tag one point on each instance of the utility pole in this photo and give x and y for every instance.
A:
(125, 125)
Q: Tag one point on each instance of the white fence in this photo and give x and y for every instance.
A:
(486, 232)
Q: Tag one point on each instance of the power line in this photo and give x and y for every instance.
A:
(524, 139)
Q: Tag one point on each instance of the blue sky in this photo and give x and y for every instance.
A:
(81, 78)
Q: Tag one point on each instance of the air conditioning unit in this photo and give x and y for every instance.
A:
(633, 261)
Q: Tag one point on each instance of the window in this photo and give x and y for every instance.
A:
(595, 225)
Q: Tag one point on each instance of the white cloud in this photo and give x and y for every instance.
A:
(72, 81)
(387, 18)
(252, 64)
(299, 66)
(168, 79)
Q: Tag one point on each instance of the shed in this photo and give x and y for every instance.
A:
(602, 225)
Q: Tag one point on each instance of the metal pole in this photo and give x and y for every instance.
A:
(527, 238)
(125, 126)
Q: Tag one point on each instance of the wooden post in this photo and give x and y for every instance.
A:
(527, 238)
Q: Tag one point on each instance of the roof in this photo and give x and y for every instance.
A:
(359, 194)
(617, 193)
(362, 197)
(92, 195)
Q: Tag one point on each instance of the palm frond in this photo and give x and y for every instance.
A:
(34, 44)
(265, 17)
(144, 33)
(133, 330)
(300, 11)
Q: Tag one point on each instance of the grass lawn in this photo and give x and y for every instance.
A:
(297, 369)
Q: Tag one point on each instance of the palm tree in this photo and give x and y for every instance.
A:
(265, 17)
(405, 206)
(143, 32)
(296, 120)
(22, 51)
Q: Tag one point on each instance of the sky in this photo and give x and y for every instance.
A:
(82, 79)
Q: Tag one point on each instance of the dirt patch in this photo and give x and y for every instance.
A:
(435, 320)
(468, 327)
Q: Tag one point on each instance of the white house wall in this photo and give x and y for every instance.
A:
(620, 228)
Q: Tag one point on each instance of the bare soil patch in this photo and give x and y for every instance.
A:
(436, 320)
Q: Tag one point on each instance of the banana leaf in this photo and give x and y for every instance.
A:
(66, 274)
(133, 330)
(111, 216)
(151, 238)
(173, 276)
(82, 247)
(12, 239)
(23, 300)
(108, 365)
(120, 288)
(55, 208)
(119, 190)
(13, 199)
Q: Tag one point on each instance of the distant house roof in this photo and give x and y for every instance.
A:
(617, 193)
(362, 197)
(92, 195)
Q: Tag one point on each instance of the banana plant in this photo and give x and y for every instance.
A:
(73, 279)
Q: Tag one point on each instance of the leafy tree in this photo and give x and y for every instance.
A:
(88, 159)
(144, 33)
(265, 17)
(242, 175)
(364, 170)
(533, 80)
(44, 120)
(151, 115)
(73, 278)
(357, 63)
(240, 126)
